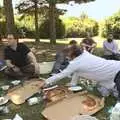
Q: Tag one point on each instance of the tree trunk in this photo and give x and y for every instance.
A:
(52, 22)
(10, 24)
(36, 21)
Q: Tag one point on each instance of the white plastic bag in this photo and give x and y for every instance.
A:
(17, 117)
(115, 112)
(83, 117)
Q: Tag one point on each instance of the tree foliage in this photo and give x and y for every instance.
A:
(2, 16)
(78, 27)
(111, 25)
(44, 29)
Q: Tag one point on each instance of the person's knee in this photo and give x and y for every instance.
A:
(7, 72)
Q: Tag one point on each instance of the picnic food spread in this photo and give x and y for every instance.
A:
(58, 98)
(89, 103)
(56, 94)
(19, 94)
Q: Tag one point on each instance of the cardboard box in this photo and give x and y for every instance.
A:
(19, 94)
(71, 106)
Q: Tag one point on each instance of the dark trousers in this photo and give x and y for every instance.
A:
(112, 57)
(117, 83)
(25, 72)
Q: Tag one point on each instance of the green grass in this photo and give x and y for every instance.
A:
(34, 112)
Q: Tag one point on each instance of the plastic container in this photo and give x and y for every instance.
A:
(34, 100)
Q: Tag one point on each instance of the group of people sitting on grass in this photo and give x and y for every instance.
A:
(74, 60)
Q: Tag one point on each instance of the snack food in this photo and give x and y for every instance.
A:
(55, 94)
(89, 103)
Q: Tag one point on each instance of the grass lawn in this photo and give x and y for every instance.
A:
(45, 52)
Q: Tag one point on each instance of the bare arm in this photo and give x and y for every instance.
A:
(85, 45)
(13, 67)
(93, 45)
(65, 73)
(9, 64)
(33, 61)
(32, 58)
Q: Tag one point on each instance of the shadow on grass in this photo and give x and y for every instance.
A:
(34, 112)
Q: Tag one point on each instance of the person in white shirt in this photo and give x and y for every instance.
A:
(88, 66)
(110, 48)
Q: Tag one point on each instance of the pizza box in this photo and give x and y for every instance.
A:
(21, 93)
(55, 94)
(72, 105)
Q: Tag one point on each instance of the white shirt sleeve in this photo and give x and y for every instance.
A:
(68, 71)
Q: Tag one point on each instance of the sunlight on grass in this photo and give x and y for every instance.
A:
(98, 39)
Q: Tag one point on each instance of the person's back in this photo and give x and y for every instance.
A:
(95, 68)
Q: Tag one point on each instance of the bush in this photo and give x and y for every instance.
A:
(111, 25)
(45, 30)
(2, 28)
(28, 33)
(78, 27)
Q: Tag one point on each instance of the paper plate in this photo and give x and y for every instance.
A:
(3, 100)
(75, 88)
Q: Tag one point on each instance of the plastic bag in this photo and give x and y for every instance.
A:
(83, 117)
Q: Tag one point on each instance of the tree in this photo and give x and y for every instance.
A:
(28, 8)
(1, 13)
(1, 19)
(52, 13)
(9, 15)
(31, 7)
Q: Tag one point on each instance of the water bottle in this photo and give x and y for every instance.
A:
(115, 112)
(34, 100)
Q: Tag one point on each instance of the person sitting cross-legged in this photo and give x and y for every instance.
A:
(21, 62)
(110, 47)
(61, 60)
